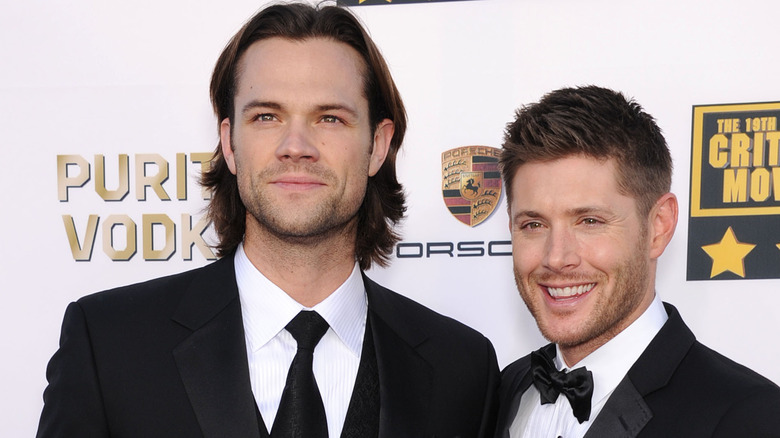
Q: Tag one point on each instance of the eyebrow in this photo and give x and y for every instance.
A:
(254, 104)
(525, 214)
(528, 213)
(339, 107)
(585, 210)
(577, 211)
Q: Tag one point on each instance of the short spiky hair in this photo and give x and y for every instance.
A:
(598, 123)
(384, 203)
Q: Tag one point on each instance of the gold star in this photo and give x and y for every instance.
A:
(728, 254)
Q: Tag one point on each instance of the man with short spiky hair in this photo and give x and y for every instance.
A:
(285, 335)
(588, 175)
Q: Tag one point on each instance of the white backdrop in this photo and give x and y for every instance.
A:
(89, 77)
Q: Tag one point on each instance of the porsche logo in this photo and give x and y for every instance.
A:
(471, 182)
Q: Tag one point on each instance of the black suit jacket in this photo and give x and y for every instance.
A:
(167, 358)
(677, 388)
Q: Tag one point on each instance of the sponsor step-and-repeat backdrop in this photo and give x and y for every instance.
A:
(734, 229)
(151, 236)
(107, 127)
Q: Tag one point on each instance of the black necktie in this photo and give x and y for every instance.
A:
(301, 412)
(576, 385)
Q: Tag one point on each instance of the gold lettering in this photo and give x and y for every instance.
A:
(64, 180)
(181, 177)
(155, 181)
(761, 124)
(718, 157)
(735, 185)
(758, 149)
(740, 150)
(205, 160)
(776, 182)
(194, 236)
(759, 185)
(123, 187)
(81, 252)
(728, 126)
(149, 223)
(773, 141)
(109, 246)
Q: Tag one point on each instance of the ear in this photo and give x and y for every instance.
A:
(662, 222)
(382, 136)
(227, 145)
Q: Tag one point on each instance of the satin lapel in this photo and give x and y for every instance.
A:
(624, 415)
(515, 381)
(405, 377)
(626, 411)
(212, 361)
(660, 360)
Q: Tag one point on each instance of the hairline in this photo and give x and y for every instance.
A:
(643, 208)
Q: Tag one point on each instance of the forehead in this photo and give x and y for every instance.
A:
(312, 63)
(568, 183)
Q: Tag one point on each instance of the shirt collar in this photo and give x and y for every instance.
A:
(611, 362)
(267, 309)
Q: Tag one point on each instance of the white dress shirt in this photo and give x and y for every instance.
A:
(266, 310)
(609, 365)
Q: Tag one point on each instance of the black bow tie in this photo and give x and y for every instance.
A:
(576, 385)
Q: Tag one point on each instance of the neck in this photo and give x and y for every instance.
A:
(308, 269)
(573, 354)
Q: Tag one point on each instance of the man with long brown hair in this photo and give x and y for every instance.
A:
(284, 335)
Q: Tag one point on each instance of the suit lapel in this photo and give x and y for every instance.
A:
(212, 361)
(626, 412)
(515, 381)
(405, 377)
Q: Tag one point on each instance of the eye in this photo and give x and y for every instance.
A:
(264, 117)
(531, 226)
(591, 221)
(330, 119)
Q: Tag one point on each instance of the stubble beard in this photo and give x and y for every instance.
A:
(610, 312)
(333, 215)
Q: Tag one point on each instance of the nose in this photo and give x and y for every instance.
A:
(297, 143)
(562, 250)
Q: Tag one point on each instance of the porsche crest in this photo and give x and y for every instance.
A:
(471, 182)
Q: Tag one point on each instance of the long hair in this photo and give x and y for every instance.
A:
(598, 123)
(384, 204)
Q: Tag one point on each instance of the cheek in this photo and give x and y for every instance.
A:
(528, 253)
(525, 261)
(244, 165)
(354, 165)
(605, 254)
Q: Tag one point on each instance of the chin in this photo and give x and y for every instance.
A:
(563, 333)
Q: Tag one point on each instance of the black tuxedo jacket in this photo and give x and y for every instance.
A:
(677, 388)
(167, 358)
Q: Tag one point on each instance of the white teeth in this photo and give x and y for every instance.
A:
(569, 291)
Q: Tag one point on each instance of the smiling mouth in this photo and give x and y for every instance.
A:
(569, 291)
